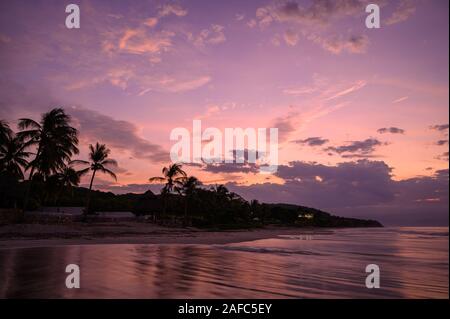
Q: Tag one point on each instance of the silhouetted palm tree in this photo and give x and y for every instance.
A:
(99, 161)
(173, 176)
(55, 140)
(5, 131)
(222, 192)
(13, 157)
(68, 178)
(188, 189)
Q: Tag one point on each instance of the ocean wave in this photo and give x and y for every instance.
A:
(265, 250)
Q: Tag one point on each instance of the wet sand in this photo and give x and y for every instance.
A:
(39, 235)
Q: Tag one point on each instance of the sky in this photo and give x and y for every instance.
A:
(362, 114)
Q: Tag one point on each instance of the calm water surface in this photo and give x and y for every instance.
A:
(319, 264)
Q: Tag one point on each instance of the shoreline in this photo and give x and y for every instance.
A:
(39, 235)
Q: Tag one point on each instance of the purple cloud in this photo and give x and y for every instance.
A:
(392, 130)
(356, 148)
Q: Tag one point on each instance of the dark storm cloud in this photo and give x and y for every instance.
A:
(392, 130)
(312, 141)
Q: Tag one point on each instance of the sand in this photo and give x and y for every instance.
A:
(39, 235)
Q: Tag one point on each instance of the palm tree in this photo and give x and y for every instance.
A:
(55, 140)
(99, 161)
(173, 177)
(5, 131)
(188, 189)
(222, 192)
(68, 178)
(13, 157)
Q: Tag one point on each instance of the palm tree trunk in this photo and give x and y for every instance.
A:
(30, 180)
(164, 205)
(27, 194)
(86, 212)
(58, 195)
(185, 210)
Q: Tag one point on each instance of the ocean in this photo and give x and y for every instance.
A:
(322, 263)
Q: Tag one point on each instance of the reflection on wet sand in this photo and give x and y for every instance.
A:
(413, 263)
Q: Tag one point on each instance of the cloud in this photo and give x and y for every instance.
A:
(312, 141)
(440, 127)
(252, 23)
(326, 96)
(443, 157)
(118, 77)
(364, 189)
(404, 11)
(231, 168)
(404, 98)
(318, 13)
(92, 125)
(318, 84)
(138, 81)
(175, 9)
(239, 17)
(442, 142)
(355, 87)
(173, 85)
(276, 40)
(357, 148)
(286, 125)
(290, 37)
(339, 44)
(169, 84)
(213, 35)
(151, 22)
(210, 111)
(140, 41)
(312, 20)
(123, 135)
(392, 130)
(299, 91)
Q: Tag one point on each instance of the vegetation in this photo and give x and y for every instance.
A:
(173, 177)
(99, 162)
(44, 150)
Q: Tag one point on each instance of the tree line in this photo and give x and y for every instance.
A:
(36, 168)
(37, 160)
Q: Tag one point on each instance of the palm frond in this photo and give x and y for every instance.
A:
(109, 172)
(25, 123)
(156, 179)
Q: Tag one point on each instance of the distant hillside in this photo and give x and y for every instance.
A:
(307, 216)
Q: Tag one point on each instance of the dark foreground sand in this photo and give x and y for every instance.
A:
(38, 235)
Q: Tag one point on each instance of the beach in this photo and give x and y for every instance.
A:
(263, 263)
(44, 235)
